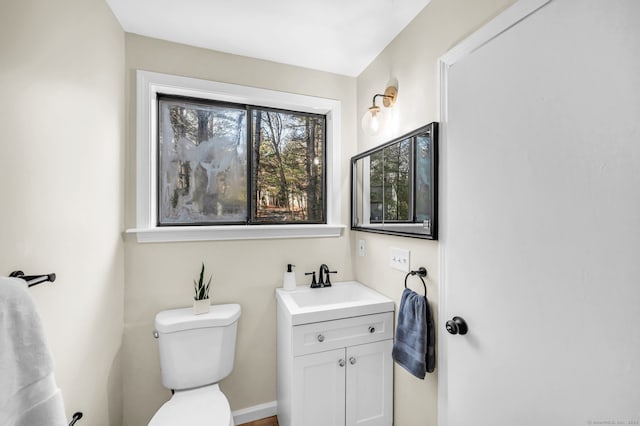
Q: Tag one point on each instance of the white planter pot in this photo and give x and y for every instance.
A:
(201, 306)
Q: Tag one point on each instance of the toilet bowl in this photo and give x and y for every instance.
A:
(196, 352)
(194, 407)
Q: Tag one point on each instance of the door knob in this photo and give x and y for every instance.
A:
(457, 325)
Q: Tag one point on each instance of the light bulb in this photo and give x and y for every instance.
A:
(373, 121)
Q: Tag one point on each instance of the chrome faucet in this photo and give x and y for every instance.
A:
(324, 272)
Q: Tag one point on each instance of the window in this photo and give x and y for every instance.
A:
(288, 167)
(217, 155)
(211, 170)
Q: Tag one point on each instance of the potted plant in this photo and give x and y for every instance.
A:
(201, 301)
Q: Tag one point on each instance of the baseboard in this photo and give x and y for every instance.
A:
(257, 412)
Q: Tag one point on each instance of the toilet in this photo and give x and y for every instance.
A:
(196, 352)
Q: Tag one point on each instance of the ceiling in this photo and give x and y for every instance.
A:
(339, 36)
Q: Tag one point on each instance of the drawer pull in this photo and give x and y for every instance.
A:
(372, 329)
(341, 362)
(352, 360)
(320, 338)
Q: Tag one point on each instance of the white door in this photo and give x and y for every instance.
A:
(540, 243)
(319, 380)
(370, 384)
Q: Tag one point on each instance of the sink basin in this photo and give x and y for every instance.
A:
(342, 300)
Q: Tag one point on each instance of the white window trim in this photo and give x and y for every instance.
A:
(149, 84)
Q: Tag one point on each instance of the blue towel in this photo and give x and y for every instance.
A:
(415, 344)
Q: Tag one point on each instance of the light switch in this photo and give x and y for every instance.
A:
(399, 259)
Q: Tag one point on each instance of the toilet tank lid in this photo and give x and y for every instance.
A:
(174, 320)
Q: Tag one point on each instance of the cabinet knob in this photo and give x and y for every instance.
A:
(352, 360)
(372, 329)
(320, 338)
(341, 362)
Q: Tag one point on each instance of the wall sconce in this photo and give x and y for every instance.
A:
(373, 119)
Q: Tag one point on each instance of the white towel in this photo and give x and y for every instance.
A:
(29, 395)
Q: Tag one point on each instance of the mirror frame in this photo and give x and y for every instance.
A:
(432, 130)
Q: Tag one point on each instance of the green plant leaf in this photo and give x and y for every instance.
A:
(206, 290)
(201, 275)
(201, 290)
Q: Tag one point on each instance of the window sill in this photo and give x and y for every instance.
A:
(225, 233)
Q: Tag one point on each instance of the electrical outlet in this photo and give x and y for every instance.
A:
(399, 259)
(361, 248)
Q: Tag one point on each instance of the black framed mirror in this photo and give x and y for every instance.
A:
(394, 186)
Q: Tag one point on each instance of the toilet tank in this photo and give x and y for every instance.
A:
(196, 350)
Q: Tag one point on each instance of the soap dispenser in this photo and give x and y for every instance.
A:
(289, 279)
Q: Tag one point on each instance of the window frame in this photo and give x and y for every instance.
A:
(150, 84)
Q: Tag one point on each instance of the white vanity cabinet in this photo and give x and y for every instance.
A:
(335, 373)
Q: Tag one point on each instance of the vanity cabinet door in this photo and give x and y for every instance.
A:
(319, 389)
(369, 381)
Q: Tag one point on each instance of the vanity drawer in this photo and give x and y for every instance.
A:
(328, 335)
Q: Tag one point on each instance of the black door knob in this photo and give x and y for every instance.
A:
(457, 325)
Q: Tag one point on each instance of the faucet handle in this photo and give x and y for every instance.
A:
(328, 282)
(314, 284)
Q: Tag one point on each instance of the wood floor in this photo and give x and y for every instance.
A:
(270, 421)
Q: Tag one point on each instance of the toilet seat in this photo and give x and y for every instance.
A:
(205, 406)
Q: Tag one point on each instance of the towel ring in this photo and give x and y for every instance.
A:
(421, 272)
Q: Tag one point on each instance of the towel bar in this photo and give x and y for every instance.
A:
(76, 416)
(33, 279)
(421, 272)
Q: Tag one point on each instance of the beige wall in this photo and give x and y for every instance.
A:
(62, 168)
(159, 276)
(410, 61)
